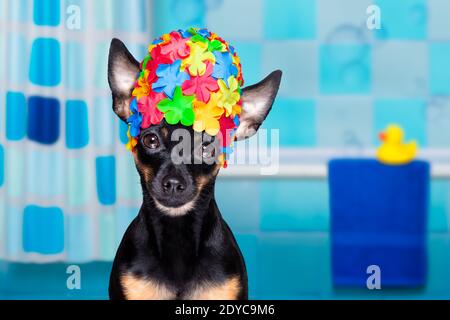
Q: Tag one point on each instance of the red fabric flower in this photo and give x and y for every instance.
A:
(157, 59)
(147, 106)
(227, 127)
(201, 86)
(176, 48)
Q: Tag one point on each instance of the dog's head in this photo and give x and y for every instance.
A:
(178, 166)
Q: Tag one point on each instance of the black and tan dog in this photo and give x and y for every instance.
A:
(179, 246)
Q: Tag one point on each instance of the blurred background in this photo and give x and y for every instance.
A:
(69, 190)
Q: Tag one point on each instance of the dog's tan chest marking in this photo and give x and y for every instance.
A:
(135, 288)
(228, 290)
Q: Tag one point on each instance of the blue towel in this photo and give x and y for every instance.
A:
(378, 217)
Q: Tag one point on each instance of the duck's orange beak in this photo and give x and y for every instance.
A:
(382, 136)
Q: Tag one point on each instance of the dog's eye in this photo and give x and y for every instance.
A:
(151, 141)
(208, 150)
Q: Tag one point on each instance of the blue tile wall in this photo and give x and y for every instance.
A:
(293, 266)
(400, 75)
(345, 69)
(298, 24)
(309, 211)
(349, 122)
(410, 114)
(244, 218)
(403, 19)
(439, 68)
(439, 206)
(303, 134)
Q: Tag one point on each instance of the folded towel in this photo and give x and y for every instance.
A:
(378, 217)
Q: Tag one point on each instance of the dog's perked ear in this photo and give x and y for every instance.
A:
(257, 101)
(123, 71)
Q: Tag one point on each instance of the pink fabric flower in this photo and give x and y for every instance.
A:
(176, 48)
(147, 106)
(201, 86)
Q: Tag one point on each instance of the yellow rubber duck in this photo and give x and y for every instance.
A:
(392, 150)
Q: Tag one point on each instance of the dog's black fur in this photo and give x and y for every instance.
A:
(171, 254)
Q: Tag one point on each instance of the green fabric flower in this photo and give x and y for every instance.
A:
(178, 109)
(214, 45)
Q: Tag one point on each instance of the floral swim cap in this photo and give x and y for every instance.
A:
(192, 77)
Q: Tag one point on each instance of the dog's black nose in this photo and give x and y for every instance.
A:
(173, 185)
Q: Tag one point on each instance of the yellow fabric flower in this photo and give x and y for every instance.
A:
(132, 142)
(236, 110)
(228, 95)
(151, 47)
(207, 116)
(196, 60)
(166, 38)
(144, 88)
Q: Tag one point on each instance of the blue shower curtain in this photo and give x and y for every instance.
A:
(68, 187)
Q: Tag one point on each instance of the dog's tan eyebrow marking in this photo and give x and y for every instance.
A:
(165, 133)
(146, 171)
(144, 289)
(228, 290)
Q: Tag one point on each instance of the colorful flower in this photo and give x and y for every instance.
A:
(229, 94)
(227, 129)
(178, 109)
(196, 60)
(169, 76)
(142, 87)
(224, 67)
(147, 107)
(207, 116)
(135, 119)
(132, 142)
(176, 48)
(201, 86)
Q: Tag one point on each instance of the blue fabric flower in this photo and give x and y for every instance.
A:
(185, 33)
(134, 106)
(237, 122)
(169, 77)
(204, 33)
(135, 119)
(157, 41)
(224, 67)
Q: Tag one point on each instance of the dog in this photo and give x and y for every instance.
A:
(179, 246)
